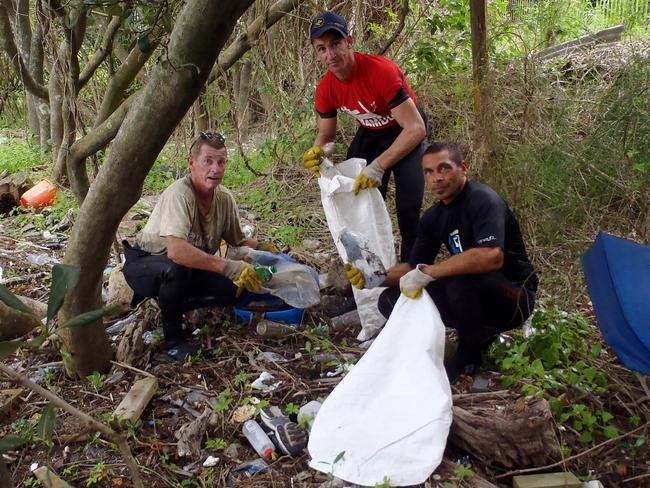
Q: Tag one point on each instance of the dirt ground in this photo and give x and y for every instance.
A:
(218, 380)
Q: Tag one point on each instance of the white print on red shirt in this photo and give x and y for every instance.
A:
(368, 118)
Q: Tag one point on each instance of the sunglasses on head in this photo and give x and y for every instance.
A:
(208, 136)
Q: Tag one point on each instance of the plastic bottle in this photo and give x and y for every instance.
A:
(307, 413)
(258, 439)
(265, 272)
(268, 328)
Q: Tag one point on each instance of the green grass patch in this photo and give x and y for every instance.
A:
(17, 155)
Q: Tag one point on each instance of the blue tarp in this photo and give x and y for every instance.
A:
(618, 279)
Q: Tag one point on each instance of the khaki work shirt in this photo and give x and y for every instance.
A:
(177, 214)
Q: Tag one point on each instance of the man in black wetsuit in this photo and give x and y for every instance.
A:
(487, 285)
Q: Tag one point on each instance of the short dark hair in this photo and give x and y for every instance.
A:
(213, 139)
(453, 149)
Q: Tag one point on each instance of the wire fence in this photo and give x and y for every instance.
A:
(614, 11)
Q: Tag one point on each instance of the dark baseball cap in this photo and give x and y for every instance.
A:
(327, 21)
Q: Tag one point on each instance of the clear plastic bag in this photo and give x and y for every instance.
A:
(295, 283)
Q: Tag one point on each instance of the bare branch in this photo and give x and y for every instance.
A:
(96, 139)
(108, 433)
(403, 12)
(121, 80)
(244, 42)
(7, 42)
(102, 52)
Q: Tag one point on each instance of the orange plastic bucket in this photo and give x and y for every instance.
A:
(40, 195)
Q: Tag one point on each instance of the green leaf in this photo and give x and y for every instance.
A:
(7, 348)
(11, 442)
(610, 432)
(339, 456)
(90, 317)
(144, 44)
(47, 422)
(606, 416)
(12, 301)
(596, 350)
(586, 437)
(36, 342)
(64, 279)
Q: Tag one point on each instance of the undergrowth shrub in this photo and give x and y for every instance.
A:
(557, 361)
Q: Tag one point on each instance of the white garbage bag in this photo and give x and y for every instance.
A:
(390, 416)
(364, 215)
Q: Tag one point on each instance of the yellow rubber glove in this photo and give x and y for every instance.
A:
(370, 177)
(249, 279)
(355, 276)
(413, 282)
(268, 246)
(312, 158)
(243, 275)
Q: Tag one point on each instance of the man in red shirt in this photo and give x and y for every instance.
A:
(391, 132)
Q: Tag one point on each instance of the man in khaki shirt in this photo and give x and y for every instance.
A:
(174, 259)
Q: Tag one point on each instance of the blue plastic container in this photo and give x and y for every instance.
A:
(270, 308)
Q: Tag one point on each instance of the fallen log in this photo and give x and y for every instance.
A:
(447, 471)
(9, 197)
(14, 324)
(504, 429)
(39, 308)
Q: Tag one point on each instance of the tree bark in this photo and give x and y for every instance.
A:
(201, 116)
(483, 130)
(14, 324)
(202, 28)
(242, 97)
(24, 29)
(36, 62)
(7, 42)
(88, 145)
(101, 53)
(121, 80)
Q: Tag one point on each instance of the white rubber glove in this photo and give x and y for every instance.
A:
(370, 177)
(412, 283)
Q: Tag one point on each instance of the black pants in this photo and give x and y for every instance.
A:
(478, 306)
(176, 288)
(409, 180)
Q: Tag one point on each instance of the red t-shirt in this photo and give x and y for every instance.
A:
(377, 85)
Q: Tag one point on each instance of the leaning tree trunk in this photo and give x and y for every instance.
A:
(202, 28)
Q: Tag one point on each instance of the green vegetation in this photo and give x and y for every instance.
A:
(556, 362)
(17, 155)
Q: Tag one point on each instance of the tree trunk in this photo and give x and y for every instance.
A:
(242, 97)
(56, 115)
(36, 61)
(202, 28)
(200, 113)
(483, 129)
(500, 429)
